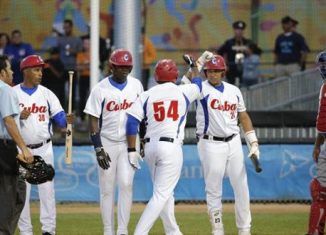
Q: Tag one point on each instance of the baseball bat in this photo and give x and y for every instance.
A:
(68, 158)
(256, 163)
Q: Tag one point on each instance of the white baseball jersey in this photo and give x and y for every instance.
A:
(217, 110)
(109, 104)
(43, 105)
(165, 107)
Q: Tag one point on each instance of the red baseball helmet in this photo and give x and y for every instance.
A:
(121, 57)
(217, 62)
(166, 71)
(32, 61)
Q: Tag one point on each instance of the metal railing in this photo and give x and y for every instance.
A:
(297, 92)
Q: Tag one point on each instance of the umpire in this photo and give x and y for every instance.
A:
(12, 188)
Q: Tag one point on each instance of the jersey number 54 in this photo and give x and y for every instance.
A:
(160, 112)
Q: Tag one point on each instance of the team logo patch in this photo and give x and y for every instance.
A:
(126, 57)
(214, 61)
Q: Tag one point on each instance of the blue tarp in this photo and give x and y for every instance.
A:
(287, 171)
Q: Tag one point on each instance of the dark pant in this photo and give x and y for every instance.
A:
(12, 190)
(232, 73)
(83, 94)
(145, 78)
(12, 201)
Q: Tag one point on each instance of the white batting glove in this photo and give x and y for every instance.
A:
(254, 150)
(134, 158)
(205, 57)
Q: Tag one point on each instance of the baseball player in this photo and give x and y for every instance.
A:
(164, 107)
(219, 145)
(318, 185)
(38, 108)
(107, 106)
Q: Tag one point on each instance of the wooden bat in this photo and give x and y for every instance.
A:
(68, 158)
(256, 163)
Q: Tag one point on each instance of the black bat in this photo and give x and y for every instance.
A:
(256, 163)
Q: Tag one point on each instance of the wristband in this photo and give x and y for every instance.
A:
(131, 150)
(96, 140)
(251, 136)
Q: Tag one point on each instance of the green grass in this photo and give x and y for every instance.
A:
(191, 223)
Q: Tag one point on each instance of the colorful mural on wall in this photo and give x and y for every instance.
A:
(171, 24)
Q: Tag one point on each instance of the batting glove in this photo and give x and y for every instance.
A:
(134, 158)
(205, 57)
(189, 60)
(254, 150)
(103, 158)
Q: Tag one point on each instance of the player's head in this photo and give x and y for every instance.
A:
(321, 63)
(5, 70)
(166, 71)
(120, 64)
(215, 69)
(32, 69)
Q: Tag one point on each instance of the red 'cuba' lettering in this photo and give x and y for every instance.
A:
(34, 108)
(215, 104)
(113, 106)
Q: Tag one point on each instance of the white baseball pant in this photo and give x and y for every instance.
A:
(165, 163)
(47, 199)
(219, 158)
(122, 174)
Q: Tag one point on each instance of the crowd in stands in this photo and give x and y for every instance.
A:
(71, 52)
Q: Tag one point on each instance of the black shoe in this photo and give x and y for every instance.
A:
(46, 233)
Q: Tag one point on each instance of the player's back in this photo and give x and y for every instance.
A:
(165, 108)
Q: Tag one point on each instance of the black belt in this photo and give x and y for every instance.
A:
(225, 139)
(36, 146)
(6, 141)
(166, 139)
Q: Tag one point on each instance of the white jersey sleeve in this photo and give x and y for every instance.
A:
(241, 104)
(137, 109)
(191, 91)
(94, 103)
(55, 106)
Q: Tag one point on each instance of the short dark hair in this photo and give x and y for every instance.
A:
(16, 31)
(68, 21)
(3, 64)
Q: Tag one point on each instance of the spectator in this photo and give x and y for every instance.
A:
(250, 65)
(149, 57)
(53, 75)
(83, 68)
(52, 39)
(233, 51)
(17, 50)
(290, 50)
(4, 41)
(105, 48)
(294, 29)
(69, 45)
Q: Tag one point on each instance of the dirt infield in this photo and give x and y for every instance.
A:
(67, 208)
